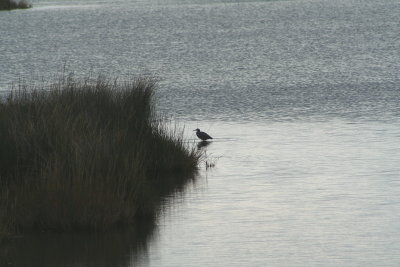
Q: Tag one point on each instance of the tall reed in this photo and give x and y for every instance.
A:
(86, 154)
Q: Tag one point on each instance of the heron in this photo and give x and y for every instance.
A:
(202, 135)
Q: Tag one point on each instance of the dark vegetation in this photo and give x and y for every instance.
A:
(86, 155)
(11, 4)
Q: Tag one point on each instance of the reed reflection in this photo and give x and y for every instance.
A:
(125, 246)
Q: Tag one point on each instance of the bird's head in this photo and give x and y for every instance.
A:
(197, 130)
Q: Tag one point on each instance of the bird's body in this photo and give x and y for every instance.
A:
(202, 135)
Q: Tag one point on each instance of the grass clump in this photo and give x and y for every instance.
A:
(11, 4)
(83, 155)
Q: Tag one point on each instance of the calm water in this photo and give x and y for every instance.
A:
(302, 98)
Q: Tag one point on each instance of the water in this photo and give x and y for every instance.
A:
(302, 98)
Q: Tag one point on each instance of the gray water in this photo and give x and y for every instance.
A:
(302, 98)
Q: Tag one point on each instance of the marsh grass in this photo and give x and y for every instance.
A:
(86, 155)
(11, 4)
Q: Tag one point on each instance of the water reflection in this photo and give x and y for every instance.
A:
(203, 144)
(116, 248)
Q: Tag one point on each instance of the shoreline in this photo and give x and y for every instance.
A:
(8, 5)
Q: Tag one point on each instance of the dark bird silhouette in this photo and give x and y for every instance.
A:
(202, 135)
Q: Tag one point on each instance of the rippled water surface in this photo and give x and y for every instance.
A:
(302, 98)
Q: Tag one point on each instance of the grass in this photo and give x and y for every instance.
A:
(86, 155)
(11, 4)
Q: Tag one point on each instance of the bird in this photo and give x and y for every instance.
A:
(202, 135)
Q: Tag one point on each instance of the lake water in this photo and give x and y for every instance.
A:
(302, 98)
